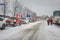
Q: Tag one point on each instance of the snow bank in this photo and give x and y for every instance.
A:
(14, 33)
(32, 26)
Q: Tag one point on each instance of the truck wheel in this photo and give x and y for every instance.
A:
(19, 23)
(6, 25)
(3, 27)
(13, 25)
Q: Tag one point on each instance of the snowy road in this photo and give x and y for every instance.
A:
(45, 32)
(51, 32)
(39, 31)
(19, 32)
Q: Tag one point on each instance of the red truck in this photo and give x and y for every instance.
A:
(13, 21)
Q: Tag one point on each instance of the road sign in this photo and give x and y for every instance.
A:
(18, 15)
(28, 16)
(1, 4)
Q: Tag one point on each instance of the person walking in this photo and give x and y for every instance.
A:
(50, 21)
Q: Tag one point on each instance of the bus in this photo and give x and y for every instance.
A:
(56, 15)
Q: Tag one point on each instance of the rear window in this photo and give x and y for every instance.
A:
(1, 19)
(13, 18)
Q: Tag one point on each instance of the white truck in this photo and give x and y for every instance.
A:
(56, 17)
(57, 20)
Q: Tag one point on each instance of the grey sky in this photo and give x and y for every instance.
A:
(42, 7)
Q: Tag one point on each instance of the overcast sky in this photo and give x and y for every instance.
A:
(42, 7)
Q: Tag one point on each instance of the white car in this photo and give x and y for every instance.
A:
(2, 23)
(24, 21)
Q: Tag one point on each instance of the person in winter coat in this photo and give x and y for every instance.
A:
(50, 21)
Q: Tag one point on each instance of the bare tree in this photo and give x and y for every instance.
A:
(5, 7)
(20, 8)
(15, 6)
(25, 11)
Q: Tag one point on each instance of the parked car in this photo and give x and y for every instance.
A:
(2, 23)
(13, 21)
(24, 21)
(31, 20)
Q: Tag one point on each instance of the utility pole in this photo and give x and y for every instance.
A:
(4, 8)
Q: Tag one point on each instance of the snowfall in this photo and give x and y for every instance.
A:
(33, 31)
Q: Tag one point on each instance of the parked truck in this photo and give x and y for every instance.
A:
(56, 15)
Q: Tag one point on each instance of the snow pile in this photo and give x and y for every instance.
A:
(32, 26)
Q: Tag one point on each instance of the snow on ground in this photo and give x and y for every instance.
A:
(16, 33)
(45, 32)
(51, 32)
(41, 31)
